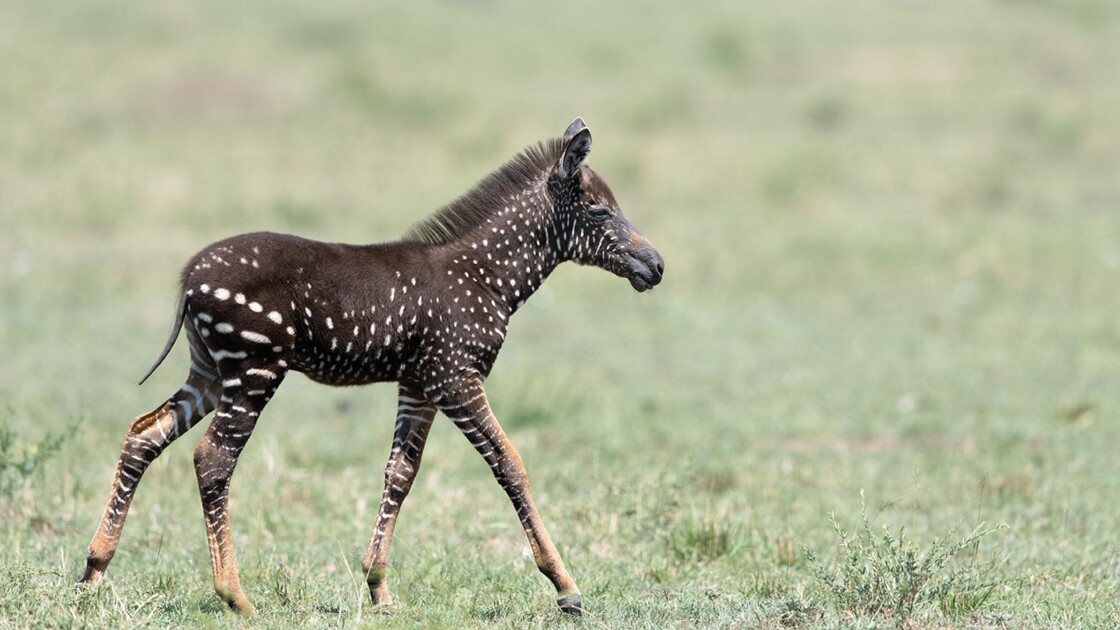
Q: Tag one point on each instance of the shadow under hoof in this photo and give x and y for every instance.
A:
(572, 604)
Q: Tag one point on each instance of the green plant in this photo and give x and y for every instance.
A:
(889, 574)
(18, 464)
(288, 590)
(795, 611)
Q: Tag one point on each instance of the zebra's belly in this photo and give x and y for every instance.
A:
(348, 366)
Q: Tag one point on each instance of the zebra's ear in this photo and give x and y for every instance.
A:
(577, 126)
(577, 146)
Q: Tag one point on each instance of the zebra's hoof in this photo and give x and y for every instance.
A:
(95, 569)
(572, 604)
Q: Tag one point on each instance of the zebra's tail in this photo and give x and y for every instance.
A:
(180, 315)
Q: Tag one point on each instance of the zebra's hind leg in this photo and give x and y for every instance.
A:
(414, 419)
(246, 389)
(148, 436)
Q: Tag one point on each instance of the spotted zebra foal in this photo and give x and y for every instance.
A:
(429, 312)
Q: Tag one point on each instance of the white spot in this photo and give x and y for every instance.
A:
(221, 294)
(225, 354)
(224, 327)
(274, 316)
(255, 307)
(255, 337)
(330, 324)
(269, 374)
(205, 288)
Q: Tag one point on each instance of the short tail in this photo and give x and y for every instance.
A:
(180, 314)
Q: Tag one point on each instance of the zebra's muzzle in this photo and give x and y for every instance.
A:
(647, 268)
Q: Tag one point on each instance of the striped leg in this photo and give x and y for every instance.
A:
(470, 411)
(245, 391)
(148, 436)
(414, 419)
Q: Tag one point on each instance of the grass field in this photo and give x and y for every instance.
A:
(892, 240)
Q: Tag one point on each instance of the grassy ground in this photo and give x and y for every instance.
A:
(893, 251)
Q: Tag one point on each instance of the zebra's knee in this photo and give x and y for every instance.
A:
(398, 478)
(204, 456)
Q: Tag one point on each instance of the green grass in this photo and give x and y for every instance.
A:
(887, 574)
(892, 237)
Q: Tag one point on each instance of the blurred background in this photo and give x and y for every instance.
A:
(892, 252)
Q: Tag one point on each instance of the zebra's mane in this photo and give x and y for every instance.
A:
(488, 196)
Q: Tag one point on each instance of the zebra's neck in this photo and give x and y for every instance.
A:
(513, 252)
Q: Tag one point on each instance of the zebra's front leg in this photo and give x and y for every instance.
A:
(414, 419)
(147, 437)
(470, 411)
(244, 395)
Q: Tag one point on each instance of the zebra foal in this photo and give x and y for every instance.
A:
(429, 312)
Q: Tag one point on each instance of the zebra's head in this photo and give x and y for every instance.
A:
(592, 229)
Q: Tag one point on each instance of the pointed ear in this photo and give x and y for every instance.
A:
(577, 126)
(576, 151)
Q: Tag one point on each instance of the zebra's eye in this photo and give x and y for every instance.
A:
(599, 213)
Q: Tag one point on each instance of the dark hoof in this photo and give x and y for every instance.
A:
(572, 604)
(93, 573)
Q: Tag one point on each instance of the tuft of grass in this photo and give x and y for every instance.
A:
(706, 537)
(890, 575)
(787, 555)
(794, 612)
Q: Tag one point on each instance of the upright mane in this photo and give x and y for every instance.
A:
(488, 196)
